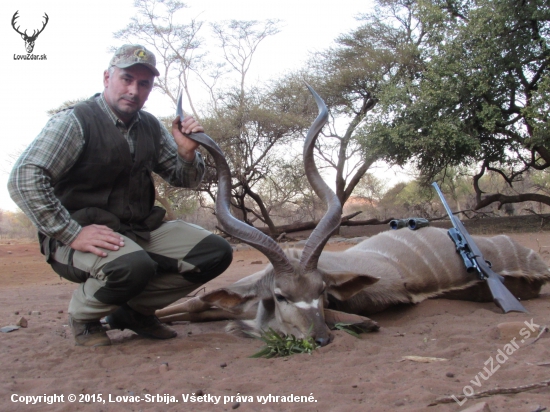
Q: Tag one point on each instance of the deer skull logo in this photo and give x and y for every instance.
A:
(29, 40)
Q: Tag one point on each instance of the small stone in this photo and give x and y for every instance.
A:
(60, 311)
(35, 312)
(354, 386)
(223, 365)
(235, 405)
(16, 312)
(199, 392)
(450, 375)
(478, 407)
(399, 403)
(164, 367)
(22, 322)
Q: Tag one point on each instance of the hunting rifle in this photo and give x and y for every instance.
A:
(474, 262)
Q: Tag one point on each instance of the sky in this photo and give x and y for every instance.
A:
(79, 34)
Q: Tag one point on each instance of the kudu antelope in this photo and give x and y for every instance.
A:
(297, 292)
(29, 40)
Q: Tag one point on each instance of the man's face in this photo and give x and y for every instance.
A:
(127, 90)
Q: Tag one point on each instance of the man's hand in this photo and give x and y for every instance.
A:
(186, 146)
(94, 238)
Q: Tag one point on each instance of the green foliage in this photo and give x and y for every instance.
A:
(277, 345)
(481, 94)
(541, 180)
(538, 113)
(352, 329)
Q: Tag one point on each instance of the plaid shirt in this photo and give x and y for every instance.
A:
(54, 152)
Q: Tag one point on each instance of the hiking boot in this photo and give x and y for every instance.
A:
(89, 333)
(148, 326)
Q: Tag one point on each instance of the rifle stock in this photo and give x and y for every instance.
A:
(502, 297)
(473, 260)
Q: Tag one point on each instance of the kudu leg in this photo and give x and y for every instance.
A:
(191, 305)
(195, 310)
(209, 315)
(332, 317)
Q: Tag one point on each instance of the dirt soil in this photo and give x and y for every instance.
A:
(350, 374)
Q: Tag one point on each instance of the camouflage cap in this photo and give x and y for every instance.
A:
(131, 54)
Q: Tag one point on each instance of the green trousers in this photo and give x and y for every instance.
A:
(147, 275)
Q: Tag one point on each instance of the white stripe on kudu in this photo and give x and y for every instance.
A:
(304, 305)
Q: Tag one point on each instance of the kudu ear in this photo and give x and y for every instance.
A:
(234, 300)
(344, 285)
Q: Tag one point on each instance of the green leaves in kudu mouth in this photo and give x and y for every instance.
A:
(277, 345)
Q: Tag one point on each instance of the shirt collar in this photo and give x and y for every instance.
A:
(105, 107)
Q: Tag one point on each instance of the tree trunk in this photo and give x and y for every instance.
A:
(299, 226)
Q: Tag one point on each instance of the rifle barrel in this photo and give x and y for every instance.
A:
(445, 205)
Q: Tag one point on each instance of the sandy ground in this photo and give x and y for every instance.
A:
(349, 374)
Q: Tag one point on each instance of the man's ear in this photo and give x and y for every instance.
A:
(106, 77)
(234, 300)
(344, 285)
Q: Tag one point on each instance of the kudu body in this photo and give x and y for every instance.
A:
(295, 293)
(404, 267)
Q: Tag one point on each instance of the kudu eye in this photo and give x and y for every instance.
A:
(280, 298)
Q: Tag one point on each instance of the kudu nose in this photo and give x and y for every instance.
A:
(323, 341)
